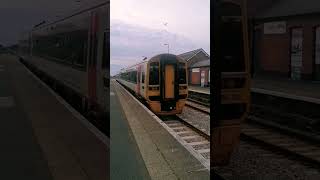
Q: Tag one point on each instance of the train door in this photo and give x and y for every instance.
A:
(169, 81)
(316, 68)
(92, 61)
(142, 86)
(296, 53)
(255, 68)
(138, 80)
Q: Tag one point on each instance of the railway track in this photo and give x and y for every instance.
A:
(284, 142)
(196, 105)
(195, 140)
(277, 138)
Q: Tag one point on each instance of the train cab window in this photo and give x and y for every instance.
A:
(154, 73)
(182, 73)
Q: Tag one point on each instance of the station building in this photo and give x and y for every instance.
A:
(198, 62)
(286, 40)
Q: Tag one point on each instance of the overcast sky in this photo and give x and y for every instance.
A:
(137, 28)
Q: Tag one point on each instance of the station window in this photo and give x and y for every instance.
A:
(154, 73)
(182, 73)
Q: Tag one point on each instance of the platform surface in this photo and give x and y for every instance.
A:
(164, 157)
(41, 139)
(301, 88)
(126, 161)
(204, 90)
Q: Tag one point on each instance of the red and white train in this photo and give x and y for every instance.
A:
(72, 56)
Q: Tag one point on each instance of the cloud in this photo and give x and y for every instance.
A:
(115, 68)
(130, 42)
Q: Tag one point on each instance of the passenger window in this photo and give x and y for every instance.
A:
(134, 76)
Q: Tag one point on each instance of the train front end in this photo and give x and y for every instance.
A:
(167, 87)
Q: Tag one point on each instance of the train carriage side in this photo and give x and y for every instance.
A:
(128, 78)
(74, 52)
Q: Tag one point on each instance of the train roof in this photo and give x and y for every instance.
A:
(145, 61)
(82, 9)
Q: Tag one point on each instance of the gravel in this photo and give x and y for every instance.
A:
(253, 162)
(196, 118)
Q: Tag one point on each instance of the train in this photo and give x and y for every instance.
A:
(160, 81)
(72, 55)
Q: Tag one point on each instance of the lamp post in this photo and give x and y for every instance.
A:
(144, 58)
(168, 47)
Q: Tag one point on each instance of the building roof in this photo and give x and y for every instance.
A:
(201, 64)
(256, 6)
(189, 55)
(290, 7)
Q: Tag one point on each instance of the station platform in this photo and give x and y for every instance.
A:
(157, 152)
(43, 138)
(199, 89)
(126, 161)
(284, 87)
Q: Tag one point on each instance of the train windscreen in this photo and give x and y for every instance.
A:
(154, 73)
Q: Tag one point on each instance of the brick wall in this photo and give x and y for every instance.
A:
(274, 56)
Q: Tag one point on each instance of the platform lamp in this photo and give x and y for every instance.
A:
(168, 47)
(144, 58)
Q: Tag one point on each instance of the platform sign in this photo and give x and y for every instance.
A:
(296, 52)
(278, 27)
(196, 70)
